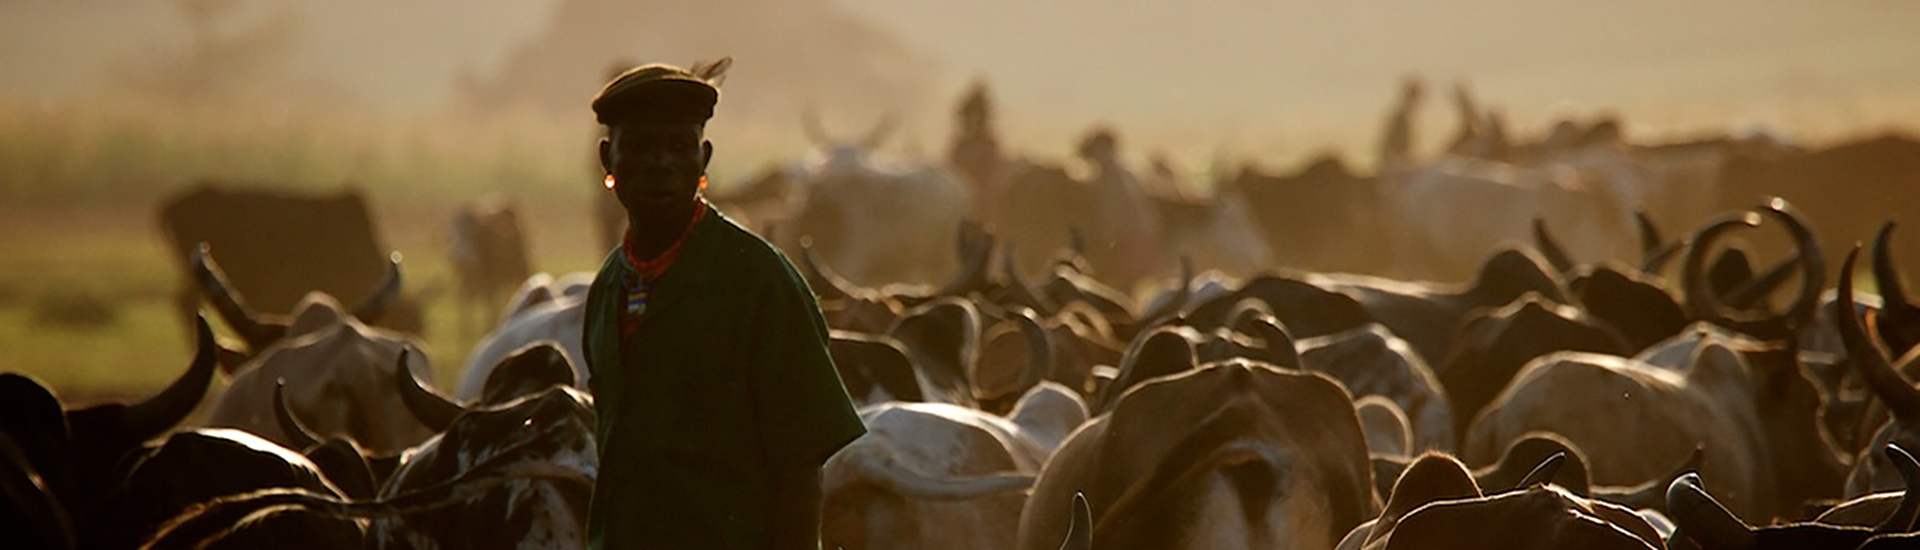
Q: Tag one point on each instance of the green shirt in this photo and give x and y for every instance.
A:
(726, 376)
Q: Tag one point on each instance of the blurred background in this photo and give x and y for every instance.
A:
(110, 107)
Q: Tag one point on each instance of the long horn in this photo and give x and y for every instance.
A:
(1180, 296)
(881, 129)
(1703, 518)
(301, 437)
(1556, 256)
(1755, 290)
(1039, 349)
(1813, 262)
(1021, 290)
(836, 287)
(1901, 521)
(810, 124)
(975, 248)
(1650, 239)
(28, 496)
(227, 301)
(148, 419)
(1700, 302)
(1544, 472)
(883, 471)
(1281, 349)
(433, 411)
(384, 297)
(1656, 259)
(1080, 527)
(1886, 275)
(1652, 494)
(1887, 384)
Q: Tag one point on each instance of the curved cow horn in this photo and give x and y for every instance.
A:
(227, 301)
(384, 296)
(1651, 495)
(974, 245)
(1700, 302)
(1813, 263)
(1544, 472)
(148, 419)
(1703, 518)
(1281, 350)
(836, 287)
(1650, 239)
(1901, 520)
(1022, 290)
(1080, 527)
(810, 125)
(1756, 288)
(1887, 384)
(880, 131)
(1180, 295)
(1656, 259)
(1893, 294)
(1039, 349)
(1556, 256)
(873, 466)
(299, 435)
(433, 411)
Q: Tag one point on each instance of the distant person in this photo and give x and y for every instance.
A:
(1396, 144)
(976, 151)
(717, 401)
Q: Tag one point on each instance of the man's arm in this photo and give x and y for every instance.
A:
(804, 412)
(796, 508)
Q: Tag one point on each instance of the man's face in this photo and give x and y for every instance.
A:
(656, 169)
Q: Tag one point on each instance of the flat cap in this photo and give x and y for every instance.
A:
(656, 93)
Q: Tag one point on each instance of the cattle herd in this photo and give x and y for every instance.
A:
(1052, 358)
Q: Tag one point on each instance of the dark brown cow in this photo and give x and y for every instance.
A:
(279, 245)
(1437, 504)
(1324, 217)
(77, 454)
(1846, 189)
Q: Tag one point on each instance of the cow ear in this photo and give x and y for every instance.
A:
(1429, 478)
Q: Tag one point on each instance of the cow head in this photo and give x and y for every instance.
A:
(1703, 302)
(77, 453)
(1706, 524)
(261, 330)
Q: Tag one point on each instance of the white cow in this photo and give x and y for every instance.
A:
(934, 476)
(544, 308)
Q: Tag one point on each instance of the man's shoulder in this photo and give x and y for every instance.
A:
(749, 258)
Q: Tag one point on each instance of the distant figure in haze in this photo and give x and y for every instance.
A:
(976, 151)
(1396, 145)
(1128, 232)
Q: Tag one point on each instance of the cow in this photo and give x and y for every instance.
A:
(1371, 361)
(77, 453)
(29, 511)
(1747, 401)
(1437, 503)
(874, 217)
(1428, 315)
(1321, 217)
(1874, 473)
(487, 249)
(279, 245)
(1830, 183)
(197, 466)
(1706, 524)
(1494, 344)
(1231, 454)
(938, 476)
(327, 356)
(543, 308)
(1455, 207)
(549, 430)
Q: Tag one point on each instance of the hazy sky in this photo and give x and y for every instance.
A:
(1275, 79)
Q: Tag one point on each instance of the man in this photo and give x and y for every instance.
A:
(717, 400)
